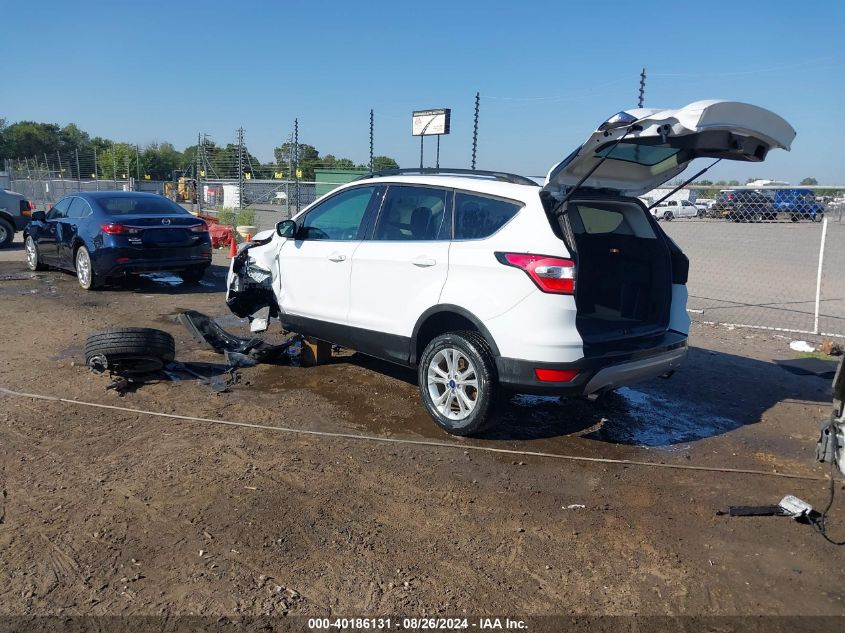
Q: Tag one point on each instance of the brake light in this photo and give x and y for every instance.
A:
(555, 375)
(198, 228)
(26, 208)
(119, 229)
(551, 274)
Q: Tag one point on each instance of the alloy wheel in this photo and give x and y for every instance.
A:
(31, 253)
(452, 383)
(83, 268)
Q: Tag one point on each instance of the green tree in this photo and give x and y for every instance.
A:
(159, 160)
(380, 163)
(117, 162)
(809, 182)
(309, 158)
(28, 139)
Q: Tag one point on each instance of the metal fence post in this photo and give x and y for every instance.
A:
(78, 173)
(819, 277)
(96, 172)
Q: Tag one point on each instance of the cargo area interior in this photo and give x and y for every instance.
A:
(624, 279)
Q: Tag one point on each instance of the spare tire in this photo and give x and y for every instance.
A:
(131, 350)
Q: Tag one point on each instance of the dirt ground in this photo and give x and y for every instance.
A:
(106, 512)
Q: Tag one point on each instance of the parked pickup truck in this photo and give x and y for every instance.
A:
(14, 215)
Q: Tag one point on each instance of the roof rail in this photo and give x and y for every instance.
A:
(445, 171)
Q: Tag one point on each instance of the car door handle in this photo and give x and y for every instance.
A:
(337, 257)
(423, 262)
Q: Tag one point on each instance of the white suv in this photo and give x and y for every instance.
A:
(487, 281)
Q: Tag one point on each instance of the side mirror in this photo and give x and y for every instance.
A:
(38, 216)
(286, 228)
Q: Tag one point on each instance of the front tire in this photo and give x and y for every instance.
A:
(33, 258)
(457, 381)
(85, 273)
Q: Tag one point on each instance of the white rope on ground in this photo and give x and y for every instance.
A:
(434, 443)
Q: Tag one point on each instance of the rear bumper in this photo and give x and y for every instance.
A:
(598, 372)
(118, 263)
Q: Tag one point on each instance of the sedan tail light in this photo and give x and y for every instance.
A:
(26, 208)
(114, 228)
(198, 228)
(551, 274)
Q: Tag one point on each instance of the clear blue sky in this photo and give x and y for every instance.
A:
(548, 72)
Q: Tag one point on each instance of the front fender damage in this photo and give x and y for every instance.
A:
(249, 292)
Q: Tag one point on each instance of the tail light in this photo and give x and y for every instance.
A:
(119, 229)
(26, 208)
(198, 228)
(551, 274)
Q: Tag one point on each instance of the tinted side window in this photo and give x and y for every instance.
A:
(339, 217)
(477, 217)
(59, 209)
(78, 209)
(412, 213)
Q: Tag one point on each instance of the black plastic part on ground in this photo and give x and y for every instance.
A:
(205, 329)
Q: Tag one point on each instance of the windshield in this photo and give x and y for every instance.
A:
(142, 205)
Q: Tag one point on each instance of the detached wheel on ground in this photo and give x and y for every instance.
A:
(7, 233)
(193, 275)
(33, 257)
(457, 381)
(85, 273)
(131, 350)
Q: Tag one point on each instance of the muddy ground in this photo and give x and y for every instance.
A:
(108, 512)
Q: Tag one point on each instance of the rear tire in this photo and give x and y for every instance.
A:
(131, 350)
(7, 233)
(85, 273)
(457, 382)
(33, 257)
(668, 216)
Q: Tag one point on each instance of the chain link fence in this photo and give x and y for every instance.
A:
(766, 257)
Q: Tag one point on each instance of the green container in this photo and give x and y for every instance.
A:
(328, 179)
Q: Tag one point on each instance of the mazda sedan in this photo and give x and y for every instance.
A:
(105, 235)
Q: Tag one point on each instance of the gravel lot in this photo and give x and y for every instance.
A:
(108, 512)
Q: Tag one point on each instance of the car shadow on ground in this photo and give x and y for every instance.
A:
(714, 393)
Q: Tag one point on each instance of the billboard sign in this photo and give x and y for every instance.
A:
(430, 122)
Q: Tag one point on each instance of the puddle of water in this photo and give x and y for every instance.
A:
(649, 420)
(168, 279)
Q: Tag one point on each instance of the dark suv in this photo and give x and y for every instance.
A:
(744, 205)
(14, 215)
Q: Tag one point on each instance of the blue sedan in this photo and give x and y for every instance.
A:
(108, 234)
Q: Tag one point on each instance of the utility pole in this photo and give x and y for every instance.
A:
(371, 141)
(240, 168)
(475, 128)
(199, 174)
(296, 160)
(137, 162)
(641, 100)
